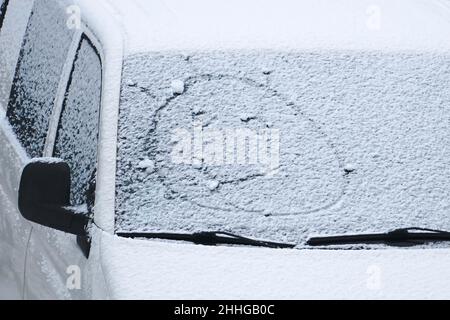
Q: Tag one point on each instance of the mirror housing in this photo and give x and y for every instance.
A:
(44, 197)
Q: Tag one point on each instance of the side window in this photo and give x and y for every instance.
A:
(41, 62)
(77, 135)
(3, 6)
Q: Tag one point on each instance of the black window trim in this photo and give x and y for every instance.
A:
(69, 83)
(83, 37)
(83, 242)
(3, 9)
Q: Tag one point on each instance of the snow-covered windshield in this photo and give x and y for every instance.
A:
(284, 145)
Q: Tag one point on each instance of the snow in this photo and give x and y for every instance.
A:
(135, 270)
(46, 160)
(345, 39)
(177, 86)
(11, 39)
(363, 143)
(37, 78)
(80, 209)
(355, 99)
(147, 164)
(102, 22)
(283, 24)
(212, 185)
(13, 238)
(77, 135)
(317, 30)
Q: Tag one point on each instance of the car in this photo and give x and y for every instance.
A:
(224, 149)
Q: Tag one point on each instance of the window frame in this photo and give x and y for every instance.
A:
(50, 144)
(84, 32)
(69, 83)
(105, 97)
(65, 82)
(3, 9)
(107, 36)
(16, 67)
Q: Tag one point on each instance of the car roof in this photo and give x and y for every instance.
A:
(160, 25)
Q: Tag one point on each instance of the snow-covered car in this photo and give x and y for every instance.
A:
(202, 149)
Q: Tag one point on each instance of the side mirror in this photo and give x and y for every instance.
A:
(44, 197)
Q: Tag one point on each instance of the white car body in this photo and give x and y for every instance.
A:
(40, 263)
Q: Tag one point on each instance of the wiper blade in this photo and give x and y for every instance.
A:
(399, 237)
(208, 238)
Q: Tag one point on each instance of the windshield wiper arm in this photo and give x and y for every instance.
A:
(400, 237)
(208, 238)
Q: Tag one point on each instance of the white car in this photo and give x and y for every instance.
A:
(197, 149)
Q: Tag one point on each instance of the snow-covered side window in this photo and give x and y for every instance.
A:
(42, 57)
(3, 5)
(76, 140)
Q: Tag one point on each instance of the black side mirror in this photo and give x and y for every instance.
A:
(44, 197)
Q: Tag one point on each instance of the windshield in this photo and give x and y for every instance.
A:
(284, 145)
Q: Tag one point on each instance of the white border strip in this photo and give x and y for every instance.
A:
(98, 19)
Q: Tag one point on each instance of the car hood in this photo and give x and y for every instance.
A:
(144, 269)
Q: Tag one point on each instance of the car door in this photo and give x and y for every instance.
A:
(23, 130)
(14, 230)
(56, 263)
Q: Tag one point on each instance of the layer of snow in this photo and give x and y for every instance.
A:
(11, 40)
(37, 76)
(364, 143)
(77, 136)
(157, 270)
(212, 185)
(147, 164)
(177, 86)
(274, 24)
(46, 160)
(100, 20)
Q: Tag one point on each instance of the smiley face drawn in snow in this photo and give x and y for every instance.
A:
(307, 178)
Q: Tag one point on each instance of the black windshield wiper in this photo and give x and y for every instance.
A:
(207, 238)
(400, 238)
